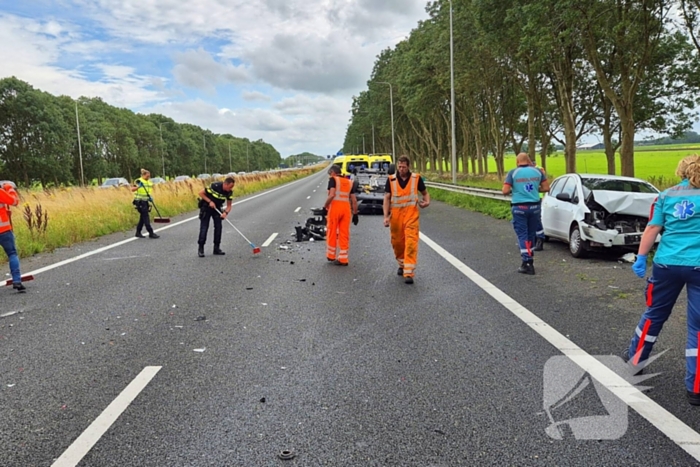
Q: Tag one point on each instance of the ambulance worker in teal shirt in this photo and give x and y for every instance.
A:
(676, 216)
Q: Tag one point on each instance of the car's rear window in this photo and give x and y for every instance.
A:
(627, 186)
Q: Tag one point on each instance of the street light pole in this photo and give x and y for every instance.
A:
(230, 167)
(373, 151)
(391, 103)
(363, 145)
(160, 127)
(247, 161)
(204, 139)
(452, 103)
(80, 149)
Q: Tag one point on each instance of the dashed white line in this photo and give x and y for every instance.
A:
(92, 434)
(297, 209)
(680, 433)
(269, 240)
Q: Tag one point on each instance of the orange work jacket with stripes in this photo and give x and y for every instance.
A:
(343, 186)
(7, 199)
(406, 197)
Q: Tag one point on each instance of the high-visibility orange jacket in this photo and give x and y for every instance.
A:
(338, 222)
(404, 223)
(8, 197)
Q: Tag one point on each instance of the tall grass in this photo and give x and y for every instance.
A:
(54, 218)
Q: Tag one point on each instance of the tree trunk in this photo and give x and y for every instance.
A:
(627, 144)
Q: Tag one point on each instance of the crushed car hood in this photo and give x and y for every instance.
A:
(632, 204)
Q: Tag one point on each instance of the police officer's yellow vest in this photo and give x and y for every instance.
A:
(144, 190)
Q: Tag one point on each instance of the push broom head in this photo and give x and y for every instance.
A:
(161, 220)
(25, 278)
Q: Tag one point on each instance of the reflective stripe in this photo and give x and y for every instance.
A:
(696, 383)
(691, 352)
(405, 201)
(341, 194)
(647, 338)
(142, 193)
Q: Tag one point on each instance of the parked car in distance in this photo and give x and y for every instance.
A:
(204, 176)
(115, 182)
(157, 180)
(216, 176)
(590, 210)
(182, 178)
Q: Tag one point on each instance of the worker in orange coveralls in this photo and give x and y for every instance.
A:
(401, 205)
(340, 203)
(9, 197)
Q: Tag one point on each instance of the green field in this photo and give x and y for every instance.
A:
(657, 164)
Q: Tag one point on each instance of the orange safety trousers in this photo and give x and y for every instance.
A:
(404, 224)
(338, 222)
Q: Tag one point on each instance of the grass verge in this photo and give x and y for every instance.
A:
(490, 207)
(54, 218)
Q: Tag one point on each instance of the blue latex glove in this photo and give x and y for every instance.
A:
(640, 266)
(139, 184)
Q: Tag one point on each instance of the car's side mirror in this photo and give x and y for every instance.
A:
(564, 197)
(392, 169)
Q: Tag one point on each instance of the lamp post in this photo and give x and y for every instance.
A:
(230, 167)
(162, 156)
(452, 103)
(247, 161)
(80, 149)
(391, 103)
(204, 140)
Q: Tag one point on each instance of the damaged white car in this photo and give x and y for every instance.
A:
(588, 211)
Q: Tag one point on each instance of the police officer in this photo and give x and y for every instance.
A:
(9, 197)
(676, 213)
(143, 187)
(211, 200)
(525, 182)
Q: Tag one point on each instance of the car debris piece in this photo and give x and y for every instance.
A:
(286, 454)
(629, 257)
(201, 318)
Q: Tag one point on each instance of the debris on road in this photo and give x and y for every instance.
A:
(629, 258)
(286, 454)
(201, 318)
(200, 350)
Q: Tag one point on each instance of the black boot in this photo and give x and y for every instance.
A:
(200, 252)
(527, 268)
(217, 250)
(539, 244)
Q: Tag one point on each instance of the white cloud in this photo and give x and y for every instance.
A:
(298, 61)
(197, 69)
(252, 96)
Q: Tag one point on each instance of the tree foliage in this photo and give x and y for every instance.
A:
(39, 141)
(528, 72)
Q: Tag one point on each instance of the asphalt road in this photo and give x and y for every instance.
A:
(251, 355)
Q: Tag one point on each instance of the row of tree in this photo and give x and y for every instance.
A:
(39, 141)
(532, 73)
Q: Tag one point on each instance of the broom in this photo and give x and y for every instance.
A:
(160, 219)
(25, 278)
(256, 249)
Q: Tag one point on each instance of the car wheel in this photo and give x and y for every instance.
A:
(547, 238)
(577, 245)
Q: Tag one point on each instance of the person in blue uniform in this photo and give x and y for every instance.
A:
(525, 183)
(676, 215)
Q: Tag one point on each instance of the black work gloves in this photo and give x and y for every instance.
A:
(355, 219)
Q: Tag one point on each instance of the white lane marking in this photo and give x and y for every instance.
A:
(10, 313)
(124, 257)
(269, 240)
(124, 242)
(92, 434)
(297, 209)
(308, 197)
(662, 419)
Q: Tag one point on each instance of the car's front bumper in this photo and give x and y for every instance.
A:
(610, 238)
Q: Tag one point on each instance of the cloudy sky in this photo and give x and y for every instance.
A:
(281, 70)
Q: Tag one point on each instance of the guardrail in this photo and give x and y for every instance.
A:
(481, 192)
